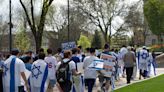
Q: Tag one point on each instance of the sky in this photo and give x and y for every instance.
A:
(4, 5)
(4, 8)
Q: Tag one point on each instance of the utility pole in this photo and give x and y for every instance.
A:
(10, 27)
(68, 23)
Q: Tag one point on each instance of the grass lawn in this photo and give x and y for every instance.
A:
(152, 85)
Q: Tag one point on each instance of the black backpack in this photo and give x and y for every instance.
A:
(62, 74)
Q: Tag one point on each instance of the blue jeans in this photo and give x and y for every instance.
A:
(90, 83)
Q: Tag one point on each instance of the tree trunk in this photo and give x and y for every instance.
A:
(105, 38)
(109, 39)
(38, 42)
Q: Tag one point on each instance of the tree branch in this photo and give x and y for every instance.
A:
(50, 2)
(28, 18)
(32, 13)
(45, 8)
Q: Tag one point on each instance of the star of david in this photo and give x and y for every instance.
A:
(94, 64)
(5, 68)
(144, 56)
(36, 71)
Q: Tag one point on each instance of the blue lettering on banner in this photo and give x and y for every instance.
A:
(68, 45)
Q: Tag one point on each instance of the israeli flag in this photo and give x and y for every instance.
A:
(143, 59)
(39, 77)
(97, 64)
(9, 76)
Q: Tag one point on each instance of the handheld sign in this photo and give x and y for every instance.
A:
(107, 57)
(108, 64)
(68, 45)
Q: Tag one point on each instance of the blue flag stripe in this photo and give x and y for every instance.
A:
(44, 78)
(98, 60)
(12, 75)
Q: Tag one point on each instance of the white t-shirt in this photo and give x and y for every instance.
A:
(72, 66)
(88, 72)
(19, 67)
(52, 62)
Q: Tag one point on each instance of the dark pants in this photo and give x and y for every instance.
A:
(90, 83)
(1, 83)
(21, 89)
(129, 73)
(66, 86)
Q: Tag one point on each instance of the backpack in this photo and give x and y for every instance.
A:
(62, 74)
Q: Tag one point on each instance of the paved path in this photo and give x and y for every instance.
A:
(122, 81)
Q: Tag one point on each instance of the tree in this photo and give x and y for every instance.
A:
(136, 24)
(101, 13)
(3, 34)
(119, 39)
(96, 41)
(84, 41)
(57, 22)
(22, 42)
(154, 14)
(37, 28)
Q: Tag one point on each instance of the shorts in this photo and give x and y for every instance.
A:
(103, 78)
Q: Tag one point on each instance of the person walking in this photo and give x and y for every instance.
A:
(123, 51)
(129, 62)
(14, 69)
(106, 76)
(52, 62)
(90, 75)
(39, 74)
(143, 62)
(65, 70)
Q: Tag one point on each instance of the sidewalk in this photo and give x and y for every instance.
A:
(122, 81)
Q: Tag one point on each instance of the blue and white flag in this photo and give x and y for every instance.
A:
(143, 59)
(12, 67)
(97, 64)
(39, 76)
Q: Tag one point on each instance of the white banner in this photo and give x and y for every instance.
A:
(68, 45)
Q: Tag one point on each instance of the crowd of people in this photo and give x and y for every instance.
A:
(71, 71)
